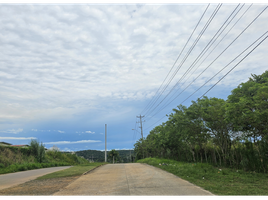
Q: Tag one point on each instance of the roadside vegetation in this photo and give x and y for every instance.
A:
(13, 159)
(217, 180)
(230, 133)
(219, 145)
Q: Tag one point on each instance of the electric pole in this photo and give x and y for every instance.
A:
(141, 124)
(105, 142)
(141, 131)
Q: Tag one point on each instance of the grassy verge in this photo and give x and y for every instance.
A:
(28, 166)
(219, 181)
(72, 171)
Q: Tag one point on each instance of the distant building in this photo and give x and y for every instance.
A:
(5, 144)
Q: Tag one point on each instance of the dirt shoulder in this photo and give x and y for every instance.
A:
(39, 187)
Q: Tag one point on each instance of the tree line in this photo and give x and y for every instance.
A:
(231, 133)
(124, 156)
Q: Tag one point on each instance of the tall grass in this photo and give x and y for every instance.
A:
(13, 159)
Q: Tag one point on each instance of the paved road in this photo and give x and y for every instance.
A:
(131, 179)
(8, 180)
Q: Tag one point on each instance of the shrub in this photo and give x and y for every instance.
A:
(38, 150)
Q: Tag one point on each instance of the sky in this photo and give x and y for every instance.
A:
(66, 70)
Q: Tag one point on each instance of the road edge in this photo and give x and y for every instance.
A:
(92, 169)
(181, 179)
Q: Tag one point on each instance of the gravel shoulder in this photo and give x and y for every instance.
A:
(39, 187)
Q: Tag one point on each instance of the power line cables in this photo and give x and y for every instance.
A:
(209, 64)
(210, 43)
(189, 51)
(231, 61)
(174, 65)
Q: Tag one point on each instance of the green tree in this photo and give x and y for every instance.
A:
(214, 116)
(114, 154)
(38, 150)
(247, 110)
(247, 106)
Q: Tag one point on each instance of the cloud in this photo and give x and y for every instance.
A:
(17, 138)
(61, 131)
(13, 131)
(89, 132)
(73, 142)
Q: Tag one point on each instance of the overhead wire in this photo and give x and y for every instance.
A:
(210, 43)
(176, 59)
(200, 64)
(191, 49)
(222, 70)
(228, 64)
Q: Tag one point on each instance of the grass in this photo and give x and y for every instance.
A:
(72, 171)
(28, 166)
(13, 159)
(219, 181)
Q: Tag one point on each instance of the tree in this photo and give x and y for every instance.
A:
(113, 154)
(247, 106)
(214, 116)
(38, 150)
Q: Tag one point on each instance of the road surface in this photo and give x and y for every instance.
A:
(130, 179)
(12, 179)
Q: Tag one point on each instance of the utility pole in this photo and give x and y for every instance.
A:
(105, 142)
(141, 131)
(141, 124)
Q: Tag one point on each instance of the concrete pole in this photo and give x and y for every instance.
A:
(105, 142)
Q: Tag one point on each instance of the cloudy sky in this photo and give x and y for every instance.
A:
(66, 70)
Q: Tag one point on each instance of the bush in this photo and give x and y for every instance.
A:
(38, 150)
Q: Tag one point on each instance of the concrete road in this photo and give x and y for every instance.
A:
(131, 179)
(8, 180)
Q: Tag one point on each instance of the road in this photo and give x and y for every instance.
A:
(12, 179)
(131, 179)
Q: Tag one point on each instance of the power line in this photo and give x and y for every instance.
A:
(236, 65)
(224, 68)
(209, 64)
(211, 42)
(191, 49)
(228, 65)
(177, 57)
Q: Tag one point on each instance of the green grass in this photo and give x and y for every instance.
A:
(13, 159)
(219, 181)
(28, 166)
(77, 170)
